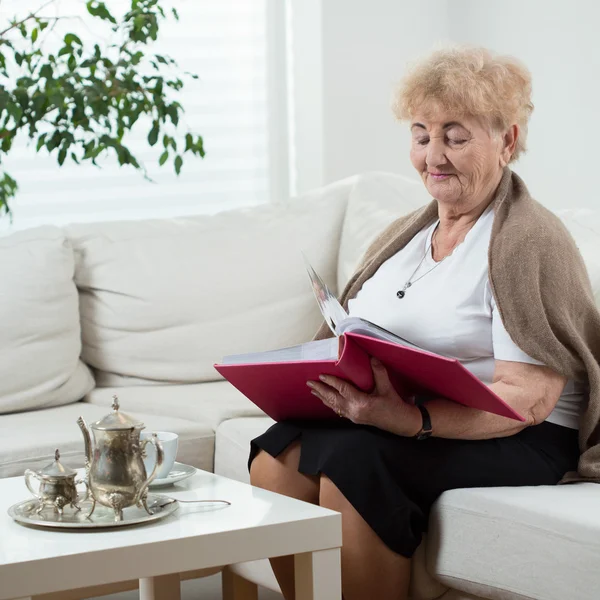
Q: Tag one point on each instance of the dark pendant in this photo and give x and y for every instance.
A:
(400, 294)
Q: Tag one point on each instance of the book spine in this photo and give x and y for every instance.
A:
(355, 364)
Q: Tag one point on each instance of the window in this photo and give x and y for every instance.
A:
(237, 49)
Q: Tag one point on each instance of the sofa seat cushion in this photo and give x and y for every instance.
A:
(232, 445)
(29, 439)
(529, 542)
(39, 323)
(211, 402)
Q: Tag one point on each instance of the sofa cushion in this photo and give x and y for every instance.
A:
(211, 402)
(584, 225)
(376, 200)
(232, 445)
(162, 300)
(39, 323)
(29, 439)
(529, 542)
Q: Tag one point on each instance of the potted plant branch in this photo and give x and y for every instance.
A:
(80, 102)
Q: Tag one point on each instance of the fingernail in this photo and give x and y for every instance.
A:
(310, 384)
(314, 393)
(323, 377)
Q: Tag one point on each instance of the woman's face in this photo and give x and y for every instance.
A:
(459, 160)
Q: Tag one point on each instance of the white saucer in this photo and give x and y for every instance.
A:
(179, 472)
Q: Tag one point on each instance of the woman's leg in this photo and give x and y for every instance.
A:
(369, 568)
(281, 475)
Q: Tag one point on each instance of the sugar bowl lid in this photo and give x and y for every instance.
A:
(117, 420)
(56, 469)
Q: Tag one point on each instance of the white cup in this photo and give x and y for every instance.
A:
(169, 442)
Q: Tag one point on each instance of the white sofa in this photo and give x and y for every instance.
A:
(144, 309)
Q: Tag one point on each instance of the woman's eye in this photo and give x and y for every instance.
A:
(422, 141)
(457, 142)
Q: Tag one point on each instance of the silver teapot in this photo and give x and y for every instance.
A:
(57, 486)
(116, 475)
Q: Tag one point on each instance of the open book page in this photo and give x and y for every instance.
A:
(338, 319)
(316, 350)
(332, 310)
(364, 327)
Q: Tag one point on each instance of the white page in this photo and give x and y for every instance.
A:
(331, 309)
(364, 327)
(316, 350)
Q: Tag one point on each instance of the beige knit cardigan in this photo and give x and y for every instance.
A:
(541, 288)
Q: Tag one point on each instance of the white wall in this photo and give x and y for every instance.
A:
(365, 46)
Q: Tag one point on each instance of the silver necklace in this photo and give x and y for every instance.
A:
(401, 293)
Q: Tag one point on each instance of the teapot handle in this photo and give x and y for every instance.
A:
(28, 474)
(159, 460)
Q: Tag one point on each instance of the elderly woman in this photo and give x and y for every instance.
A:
(484, 274)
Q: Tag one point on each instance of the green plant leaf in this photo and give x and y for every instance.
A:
(46, 71)
(34, 34)
(71, 38)
(40, 142)
(98, 9)
(163, 158)
(153, 135)
(178, 163)
(62, 155)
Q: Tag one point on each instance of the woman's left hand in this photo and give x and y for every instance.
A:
(383, 407)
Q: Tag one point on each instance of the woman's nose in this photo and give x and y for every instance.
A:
(435, 153)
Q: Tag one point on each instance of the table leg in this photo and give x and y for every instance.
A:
(165, 587)
(318, 575)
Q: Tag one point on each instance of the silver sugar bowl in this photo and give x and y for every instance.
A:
(116, 475)
(57, 486)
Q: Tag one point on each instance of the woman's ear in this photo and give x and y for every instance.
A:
(509, 143)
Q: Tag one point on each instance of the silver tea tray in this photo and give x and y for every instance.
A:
(103, 517)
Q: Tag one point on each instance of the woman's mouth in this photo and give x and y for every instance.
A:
(439, 176)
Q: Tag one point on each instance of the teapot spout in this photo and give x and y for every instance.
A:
(87, 440)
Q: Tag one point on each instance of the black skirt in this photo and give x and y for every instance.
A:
(392, 481)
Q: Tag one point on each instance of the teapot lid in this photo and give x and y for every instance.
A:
(56, 468)
(117, 420)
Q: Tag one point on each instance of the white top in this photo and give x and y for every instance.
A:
(449, 309)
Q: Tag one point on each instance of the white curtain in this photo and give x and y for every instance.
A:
(229, 45)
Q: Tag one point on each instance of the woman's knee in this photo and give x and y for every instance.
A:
(330, 495)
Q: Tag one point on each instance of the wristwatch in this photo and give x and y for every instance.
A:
(426, 429)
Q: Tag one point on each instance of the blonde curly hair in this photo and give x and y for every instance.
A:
(469, 81)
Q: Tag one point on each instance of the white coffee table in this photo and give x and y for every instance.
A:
(258, 524)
